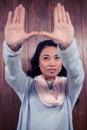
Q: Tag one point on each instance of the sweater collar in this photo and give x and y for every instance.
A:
(51, 94)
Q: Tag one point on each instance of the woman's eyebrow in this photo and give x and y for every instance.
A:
(49, 55)
(45, 55)
(56, 55)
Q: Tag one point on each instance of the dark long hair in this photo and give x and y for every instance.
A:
(35, 70)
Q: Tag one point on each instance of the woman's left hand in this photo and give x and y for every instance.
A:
(63, 32)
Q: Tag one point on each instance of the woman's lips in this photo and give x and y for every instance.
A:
(52, 70)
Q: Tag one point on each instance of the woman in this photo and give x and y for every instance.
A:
(47, 100)
(35, 69)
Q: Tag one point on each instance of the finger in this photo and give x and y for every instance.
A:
(9, 19)
(18, 16)
(63, 14)
(22, 15)
(68, 18)
(55, 17)
(43, 33)
(31, 34)
(59, 12)
(15, 16)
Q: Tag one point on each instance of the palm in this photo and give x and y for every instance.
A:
(14, 33)
(63, 32)
(14, 30)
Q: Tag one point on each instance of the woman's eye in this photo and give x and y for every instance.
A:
(57, 57)
(46, 58)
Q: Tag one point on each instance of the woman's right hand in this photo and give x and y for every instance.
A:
(15, 34)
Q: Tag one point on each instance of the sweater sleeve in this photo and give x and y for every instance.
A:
(75, 72)
(14, 73)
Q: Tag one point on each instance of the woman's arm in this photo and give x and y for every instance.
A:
(15, 37)
(75, 72)
(63, 34)
(14, 73)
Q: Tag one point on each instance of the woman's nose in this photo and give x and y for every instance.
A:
(52, 63)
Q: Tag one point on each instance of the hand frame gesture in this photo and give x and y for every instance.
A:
(63, 32)
(14, 30)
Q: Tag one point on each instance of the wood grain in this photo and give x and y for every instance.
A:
(39, 16)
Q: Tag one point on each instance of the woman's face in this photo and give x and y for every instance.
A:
(49, 62)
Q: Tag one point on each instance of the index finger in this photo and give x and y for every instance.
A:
(9, 18)
(55, 17)
(68, 18)
(22, 14)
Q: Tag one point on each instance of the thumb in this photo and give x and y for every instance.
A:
(43, 33)
(31, 34)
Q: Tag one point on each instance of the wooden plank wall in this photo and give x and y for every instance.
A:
(39, 16)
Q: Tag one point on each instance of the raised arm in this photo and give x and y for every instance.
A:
(15, 36)
(63, 35)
